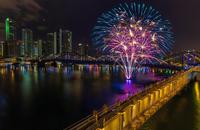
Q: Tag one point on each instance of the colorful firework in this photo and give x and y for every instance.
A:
(133, 34)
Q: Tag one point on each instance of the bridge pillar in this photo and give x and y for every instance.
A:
(152, 98)
(157, 94)
(128, 114)
(160, 93)
(165, 90)
(146, 102)
(115, 123)
(173, 87)
(136, 109)
(121, 120)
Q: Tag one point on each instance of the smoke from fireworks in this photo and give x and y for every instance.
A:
(133, 34)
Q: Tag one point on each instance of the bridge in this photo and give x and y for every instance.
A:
(184, 58)
(175, 60)
(133, 112)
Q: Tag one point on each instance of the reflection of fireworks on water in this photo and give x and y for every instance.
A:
(133, 34)
(126, 90)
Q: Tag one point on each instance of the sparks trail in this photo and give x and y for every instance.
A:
(133, 34)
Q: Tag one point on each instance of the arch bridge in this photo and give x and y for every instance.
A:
(174, 61)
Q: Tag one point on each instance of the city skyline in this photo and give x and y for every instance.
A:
(51, 15)
(17, 42)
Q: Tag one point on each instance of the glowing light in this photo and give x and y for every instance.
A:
(128, 81)
(154, 37)
(143, 47)
(7, 28)
(125, 48)
(143, 34)
(197, 91)
(131, 34)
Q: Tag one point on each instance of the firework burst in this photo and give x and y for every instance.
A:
(133, 34)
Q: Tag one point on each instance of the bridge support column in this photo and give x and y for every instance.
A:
(128, 115)
(121, 120)
(151, 100)
(136, 109)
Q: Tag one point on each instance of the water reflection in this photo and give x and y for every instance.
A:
(126, 90)
(47, 98)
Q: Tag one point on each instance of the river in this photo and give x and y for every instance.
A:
(54, 98)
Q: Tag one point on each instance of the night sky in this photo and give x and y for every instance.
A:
(80, 16)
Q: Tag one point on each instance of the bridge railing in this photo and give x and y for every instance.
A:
(94, 119)
(91, 119)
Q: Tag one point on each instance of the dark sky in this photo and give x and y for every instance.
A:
(80, 16)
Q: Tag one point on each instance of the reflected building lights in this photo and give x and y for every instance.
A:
(128, 81)
(12, 76)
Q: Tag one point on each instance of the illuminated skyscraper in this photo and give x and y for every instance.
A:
(11, 49)
(2, 37)
(10, 29)
(45, 48)
(54, 43)
(40, 48)
(37, 49)
(27, 43)
(1, 49)
(51, 46)
(82, 49)
(65, 41)
(2, 32)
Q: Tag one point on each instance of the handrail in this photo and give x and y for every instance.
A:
(83, 122)
(100, 112)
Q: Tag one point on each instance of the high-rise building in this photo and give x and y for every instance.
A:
(21, 48)
(37, 49)
(8, 38)
(2, 38)
(10, 29)
(27, 43)
(11, 49)
(51, 46)
(65, 41)
(54, 43)
(82, 49)
(45, 48)
(40, 48)
(1, 49)
(2, 32)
